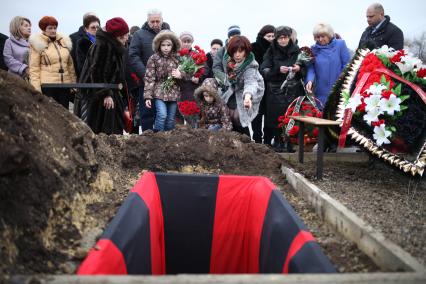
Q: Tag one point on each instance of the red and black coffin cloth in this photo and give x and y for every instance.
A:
(174, 223)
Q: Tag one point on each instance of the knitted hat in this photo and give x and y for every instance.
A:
(234, 30)
(117, 27)
(186, 34)
(283, 30)
(266, 30)
(47, 21)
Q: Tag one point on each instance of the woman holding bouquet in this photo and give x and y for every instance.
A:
(331, 56)
(159, 91)
(279, 61)
(244, 84)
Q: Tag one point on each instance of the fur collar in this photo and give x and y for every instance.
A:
(40, 42)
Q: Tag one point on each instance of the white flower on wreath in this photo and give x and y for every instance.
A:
(381, 135)
(372, 115)
(354, 102)
(390, 105)
(408, 63)
(372, 102)
(376, 89)
(385, 50)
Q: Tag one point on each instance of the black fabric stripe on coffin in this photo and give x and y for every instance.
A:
(310, 259)
(188, 203)
(130, 232)
(280, 227)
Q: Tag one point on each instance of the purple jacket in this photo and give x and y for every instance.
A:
(330, 60)
(15, 55)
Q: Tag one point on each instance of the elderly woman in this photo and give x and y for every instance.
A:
(91, 24)
(331, 56)
(278, 62)
(104, 64)
(244, 83)
(50, 60)
(16, 48)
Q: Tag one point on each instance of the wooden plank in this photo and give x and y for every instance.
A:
(315, 120)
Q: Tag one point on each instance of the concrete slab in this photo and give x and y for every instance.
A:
(377, 278)
(328, 157)
(386, 254)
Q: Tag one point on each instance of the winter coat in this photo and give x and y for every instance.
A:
(50, 61)
(159, 67)
(214, 113)
(81, 50)
(3, 39)
(277, 99)
(75, 37)
(104, 64)
(16, 55)
(330, 61)
(259, 48)
(141, 48)
(208, 68)
(387, 34)
(248, 81)
(219, 65)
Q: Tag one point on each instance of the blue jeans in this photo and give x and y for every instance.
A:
(147, 115)
(165, 115)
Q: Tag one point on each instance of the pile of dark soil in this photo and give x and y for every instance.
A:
(60, 184)
(390, 200)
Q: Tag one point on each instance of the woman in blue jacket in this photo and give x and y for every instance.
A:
(331, 56)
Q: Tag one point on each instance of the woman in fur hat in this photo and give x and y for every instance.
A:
(160, 66)
(213, 112)
(104, 64)
(50, 60)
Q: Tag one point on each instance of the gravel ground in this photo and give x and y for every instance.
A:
(389, 200)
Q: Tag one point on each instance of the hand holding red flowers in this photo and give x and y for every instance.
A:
(191, 63)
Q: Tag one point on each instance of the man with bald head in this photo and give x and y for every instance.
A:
(380, 30)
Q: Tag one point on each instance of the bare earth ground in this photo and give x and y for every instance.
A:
(60, 184)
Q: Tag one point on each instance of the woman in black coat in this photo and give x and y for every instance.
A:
(263, 42)
(91, 24)
(278, 62)
(104, 64)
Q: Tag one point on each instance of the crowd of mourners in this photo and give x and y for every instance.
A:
(244, 83)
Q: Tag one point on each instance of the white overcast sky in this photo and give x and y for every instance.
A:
(211, 19)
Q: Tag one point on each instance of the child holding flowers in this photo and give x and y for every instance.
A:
(160, 66)
(213, 112)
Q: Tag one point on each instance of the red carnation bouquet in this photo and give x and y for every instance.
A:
(191, 62)
(190, 111)
(302, 106)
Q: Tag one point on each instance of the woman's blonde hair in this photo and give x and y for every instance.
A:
(15, 26)
(323, 29)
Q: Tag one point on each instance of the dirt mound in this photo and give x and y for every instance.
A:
(60, 184)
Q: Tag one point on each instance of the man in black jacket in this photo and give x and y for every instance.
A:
(139, 51)
(380, 30)
(3, 39)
